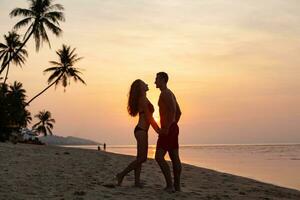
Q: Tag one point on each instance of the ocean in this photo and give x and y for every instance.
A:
(277, 164)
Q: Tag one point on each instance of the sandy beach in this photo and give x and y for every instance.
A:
(50, 172)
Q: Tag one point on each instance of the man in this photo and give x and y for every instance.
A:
(170, 113)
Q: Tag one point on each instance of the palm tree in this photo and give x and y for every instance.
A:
(8, 50)
(63, 70)
(17, 91)
(40, 14)
(16, 104)
(12, 106)
(45, 124)
(26, 118)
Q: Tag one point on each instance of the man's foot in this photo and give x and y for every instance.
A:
(119, 179)
(169, 189)
(139, 185)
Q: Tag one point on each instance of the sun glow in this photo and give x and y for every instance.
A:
(156, 115)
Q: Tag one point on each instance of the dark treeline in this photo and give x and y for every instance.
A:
(40, 17)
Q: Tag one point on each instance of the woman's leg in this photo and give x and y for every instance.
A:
(142, 150)
(137, 175)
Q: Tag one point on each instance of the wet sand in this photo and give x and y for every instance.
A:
(49, 172)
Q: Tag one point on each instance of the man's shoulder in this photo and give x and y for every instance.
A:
(166, 93)
(170, 94)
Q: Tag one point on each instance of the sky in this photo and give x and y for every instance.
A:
(233, 66)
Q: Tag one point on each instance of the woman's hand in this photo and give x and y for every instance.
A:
(158, 131)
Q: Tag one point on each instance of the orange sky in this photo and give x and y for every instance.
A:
(233, 65)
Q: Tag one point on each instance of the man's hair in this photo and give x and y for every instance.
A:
(163, 75)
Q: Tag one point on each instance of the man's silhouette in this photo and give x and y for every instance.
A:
(168, 137)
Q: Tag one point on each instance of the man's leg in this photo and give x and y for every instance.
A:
(174, 155)
(160, 158)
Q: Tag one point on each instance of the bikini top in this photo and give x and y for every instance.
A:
(150, 108)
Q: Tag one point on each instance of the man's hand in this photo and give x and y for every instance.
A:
(163, 131)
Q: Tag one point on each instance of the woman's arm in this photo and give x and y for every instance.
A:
(154, 125)
(148, 115)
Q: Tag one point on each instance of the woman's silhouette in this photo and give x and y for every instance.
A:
(138, 104)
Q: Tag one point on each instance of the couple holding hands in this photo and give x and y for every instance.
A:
(169, 111)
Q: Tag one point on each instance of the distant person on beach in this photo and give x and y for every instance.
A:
(170, 113)
(99, 148)
(104, 147)
(138, 104)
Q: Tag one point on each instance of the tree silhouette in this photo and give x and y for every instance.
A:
(9, 48)
(40, 15)
(45, 124)
(63, 69)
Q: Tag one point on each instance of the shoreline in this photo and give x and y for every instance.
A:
(54, 172)
(263, 163)
(187, 145)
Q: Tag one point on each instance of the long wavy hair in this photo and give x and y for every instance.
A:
(135, 93)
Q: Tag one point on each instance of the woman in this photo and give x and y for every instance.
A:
(138, 104)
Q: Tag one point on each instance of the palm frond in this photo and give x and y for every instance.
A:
(22, 23)
(56, 74)
(1, 55)
(37, 38)
(55, 16)
(51, 69)
(64, 80)
(54, 29)
(21, 12)
(37, 124)
(3, 46)
(5, 59)
(23, 52)
(80, 79)
(51, 120)
(55, 63)
(49, 130)
(55, 7)
(50, 125)
(44, 35)
(18, 60)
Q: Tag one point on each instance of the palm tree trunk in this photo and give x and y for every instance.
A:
(45, 133)
(16, 53)
(43, 90)
(6, 75)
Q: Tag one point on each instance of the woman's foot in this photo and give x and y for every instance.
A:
(139, 185)
(119, 178)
